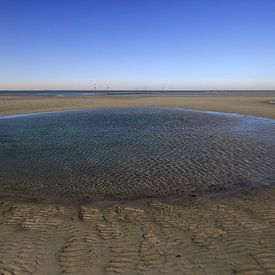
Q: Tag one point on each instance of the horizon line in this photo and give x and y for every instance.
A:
(139, 90)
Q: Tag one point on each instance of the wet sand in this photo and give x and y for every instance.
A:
(257, 104)
(217, 234)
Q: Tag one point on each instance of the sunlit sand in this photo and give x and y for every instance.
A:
(217, 233)
(243, 103)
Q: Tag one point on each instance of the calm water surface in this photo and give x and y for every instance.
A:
(133, 153)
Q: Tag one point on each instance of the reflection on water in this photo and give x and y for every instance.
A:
(133, 153)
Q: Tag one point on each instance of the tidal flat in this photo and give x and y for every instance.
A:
(225, 225)
(249, 103)
(133, 153)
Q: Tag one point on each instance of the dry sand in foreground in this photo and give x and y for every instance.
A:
(223, 234)
(248, 103)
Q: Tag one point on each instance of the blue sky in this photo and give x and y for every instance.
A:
(70, 44)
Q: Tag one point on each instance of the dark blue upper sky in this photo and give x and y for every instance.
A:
(185, 44)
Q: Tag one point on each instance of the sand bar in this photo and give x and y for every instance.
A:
(257, 104)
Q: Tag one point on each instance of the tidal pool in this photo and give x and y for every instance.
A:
(133, 153)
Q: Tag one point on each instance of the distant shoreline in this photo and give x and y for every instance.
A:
(90, 92)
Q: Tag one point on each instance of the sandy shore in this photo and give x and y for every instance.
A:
(257, 104)
(221, 234)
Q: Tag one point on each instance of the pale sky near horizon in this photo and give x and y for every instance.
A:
(210, 44)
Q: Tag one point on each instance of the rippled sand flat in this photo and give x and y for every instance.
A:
(133, 153)
(221, 234)
(211, 235)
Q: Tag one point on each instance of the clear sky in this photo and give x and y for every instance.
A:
(194, 44)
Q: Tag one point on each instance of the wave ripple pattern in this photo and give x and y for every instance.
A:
(133, 153)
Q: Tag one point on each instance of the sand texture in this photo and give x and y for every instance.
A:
(218, 235)
(215, 234)
(257, 104)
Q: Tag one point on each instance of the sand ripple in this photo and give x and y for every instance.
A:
(218, 235)
(133, 153)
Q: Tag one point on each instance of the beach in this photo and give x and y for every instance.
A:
(257, 104)
(217, 233)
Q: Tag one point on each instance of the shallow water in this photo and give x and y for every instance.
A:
(133, 153)
(76, 93)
